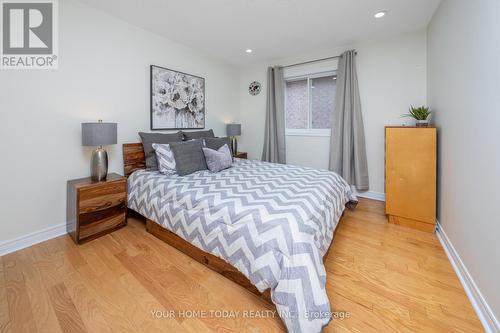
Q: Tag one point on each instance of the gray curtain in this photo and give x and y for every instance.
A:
(348, 150)
(274, 135)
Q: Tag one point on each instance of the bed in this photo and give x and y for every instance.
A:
(265, 226)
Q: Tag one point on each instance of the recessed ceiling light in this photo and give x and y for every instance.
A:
(248, 50)
(380, 14)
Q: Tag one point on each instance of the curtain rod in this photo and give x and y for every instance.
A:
(316, 60)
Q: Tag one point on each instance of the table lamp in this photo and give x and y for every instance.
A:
(97, 135)
(233, 130)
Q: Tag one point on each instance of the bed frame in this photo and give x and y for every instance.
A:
(134, 159)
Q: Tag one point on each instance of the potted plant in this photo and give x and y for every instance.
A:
(420, 114)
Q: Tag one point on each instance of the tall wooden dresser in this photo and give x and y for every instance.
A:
(410, 176)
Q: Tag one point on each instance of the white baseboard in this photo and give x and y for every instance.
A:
(379, 196)
(32, 239)
(483, 310)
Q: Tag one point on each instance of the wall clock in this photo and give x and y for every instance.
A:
(254, 88)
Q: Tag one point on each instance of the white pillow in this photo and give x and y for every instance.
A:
(218, 160)
(165, 158)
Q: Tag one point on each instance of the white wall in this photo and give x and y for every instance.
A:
(392, 76)
(464, 92)
(103, 74)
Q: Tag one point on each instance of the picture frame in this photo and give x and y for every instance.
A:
(177, 100)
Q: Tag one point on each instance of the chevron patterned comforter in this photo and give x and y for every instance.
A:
(273, 222)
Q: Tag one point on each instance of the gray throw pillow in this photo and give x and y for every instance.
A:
(218, 160)
(216, 143)
(188, 156)
(198, 134)
(147, 142)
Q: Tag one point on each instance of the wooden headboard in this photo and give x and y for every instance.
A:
(133, 158)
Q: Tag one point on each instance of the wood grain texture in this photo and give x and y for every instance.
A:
(410, 223)
(133, 158)
(388, 277)
(43, 313)
(87, 182)
(103, 225)
(20, 312)
(96, 216)
(96, 208)
(241, 155)
(68, 316)
(97, 198)
(410, 175)
(4, 305)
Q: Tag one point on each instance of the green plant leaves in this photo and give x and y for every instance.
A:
(418, 113)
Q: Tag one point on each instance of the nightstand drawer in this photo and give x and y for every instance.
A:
(103, 225)
(95, 216)
(102, 197)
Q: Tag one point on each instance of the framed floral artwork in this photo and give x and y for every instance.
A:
(177, 100)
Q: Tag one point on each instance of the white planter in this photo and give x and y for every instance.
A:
(422, 123)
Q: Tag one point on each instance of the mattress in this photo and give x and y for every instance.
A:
(272, 222)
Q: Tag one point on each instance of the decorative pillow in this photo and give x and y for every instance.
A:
(147, 142)
(165, 159)
(188, 156)
(216, 143)
(218, 160)
(198, 134)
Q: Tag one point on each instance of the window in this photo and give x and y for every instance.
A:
(309, 103)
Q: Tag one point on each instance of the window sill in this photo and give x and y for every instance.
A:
(319, 133)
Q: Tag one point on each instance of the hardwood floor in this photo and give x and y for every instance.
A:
(386, 278)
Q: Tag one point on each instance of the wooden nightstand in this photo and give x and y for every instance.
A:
(96, 208)
(241, 155)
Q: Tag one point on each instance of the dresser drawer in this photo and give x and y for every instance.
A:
(98, 198)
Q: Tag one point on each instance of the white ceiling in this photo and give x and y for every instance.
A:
(274, 29)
